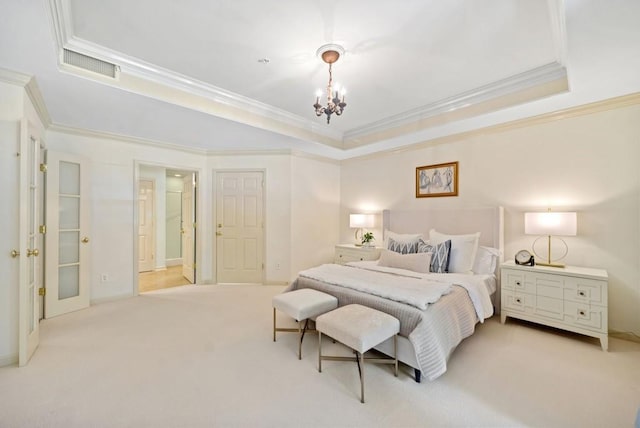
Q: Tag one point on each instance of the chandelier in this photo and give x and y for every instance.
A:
(335, 103)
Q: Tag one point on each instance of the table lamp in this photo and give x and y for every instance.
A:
(360, 221)
(550, 224)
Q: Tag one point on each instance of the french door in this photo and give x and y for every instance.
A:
(67, 238)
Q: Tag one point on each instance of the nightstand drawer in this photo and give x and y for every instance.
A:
(350, 253)
(586, 290)
(586, 316)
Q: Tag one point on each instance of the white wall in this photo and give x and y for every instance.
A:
(315, 209)
(112, 165)
(587, 163)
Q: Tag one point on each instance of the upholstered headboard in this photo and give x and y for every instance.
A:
(488, 221)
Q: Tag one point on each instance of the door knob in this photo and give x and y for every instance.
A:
(15, 253)
(33, 253)
(85, 240)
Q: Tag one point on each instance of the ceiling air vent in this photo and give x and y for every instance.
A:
(88, 63)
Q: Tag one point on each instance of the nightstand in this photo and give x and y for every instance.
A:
(345, 253)
(571, 298)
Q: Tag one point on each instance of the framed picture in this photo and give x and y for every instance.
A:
(437, 180)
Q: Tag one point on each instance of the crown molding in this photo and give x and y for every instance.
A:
(14, 77)
(519, 82)
(103, 135)
(30, 86)
(34, 94)
(568, 113)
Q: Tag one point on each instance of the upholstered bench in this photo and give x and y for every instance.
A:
(360, 328)
(302, 305)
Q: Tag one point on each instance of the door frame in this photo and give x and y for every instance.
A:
(198, 214)
(214, 198)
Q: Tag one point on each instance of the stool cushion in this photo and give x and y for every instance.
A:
(304, 303)
(359, 327)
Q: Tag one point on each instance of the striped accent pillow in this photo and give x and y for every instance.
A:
(440, 256)
(409, 247)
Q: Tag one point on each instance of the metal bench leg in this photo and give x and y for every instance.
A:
(361, 367)
(320, 351)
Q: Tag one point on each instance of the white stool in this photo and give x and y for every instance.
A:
(360, 328)
(301, 305)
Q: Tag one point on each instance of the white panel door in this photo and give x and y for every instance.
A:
(188, 228)
(239, 227)
(67, 244)
(146, 230)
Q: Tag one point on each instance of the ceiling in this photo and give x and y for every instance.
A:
(192, 73)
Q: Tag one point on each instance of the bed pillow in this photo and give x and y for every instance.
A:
(402, 247)
(416, 262)
(463, 250)
(403, 243)
(486, 260)
(439, 256)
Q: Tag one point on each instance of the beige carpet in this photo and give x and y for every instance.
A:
(203, 356)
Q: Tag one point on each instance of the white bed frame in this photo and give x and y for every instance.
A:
(488, 221)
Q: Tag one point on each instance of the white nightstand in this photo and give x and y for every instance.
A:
(351, 253)
(571, 298)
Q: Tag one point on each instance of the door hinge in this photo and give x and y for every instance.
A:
(43, 167)
(195, 225)
(194, 265)
(42, 291)
(262, 266)
(43, 229)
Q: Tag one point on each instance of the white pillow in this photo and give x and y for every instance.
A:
(416, 262)
(486, 260)
(463, 250)
(403, 238)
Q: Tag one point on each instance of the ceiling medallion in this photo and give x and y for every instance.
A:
(335, 96)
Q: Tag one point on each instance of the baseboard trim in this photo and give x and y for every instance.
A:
(107, 299)
(625, 335)
(173, 262)
(8, 360)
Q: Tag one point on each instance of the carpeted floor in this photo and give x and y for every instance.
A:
(203, 356)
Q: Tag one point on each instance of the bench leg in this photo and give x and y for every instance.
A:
(274, 324)
(320, 351)
(361, 367)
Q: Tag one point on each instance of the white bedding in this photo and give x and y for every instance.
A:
(403, 288)
(479, 287)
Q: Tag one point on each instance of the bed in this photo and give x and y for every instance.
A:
(430, 326)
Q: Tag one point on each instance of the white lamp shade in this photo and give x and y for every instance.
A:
(551, 223)
(361, 220)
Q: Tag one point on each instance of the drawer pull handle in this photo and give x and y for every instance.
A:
(581, 293)
(361, 258)
(340, 255)
(518, 283)
(581, 313)
(518, 300)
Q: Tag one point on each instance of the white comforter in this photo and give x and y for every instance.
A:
(418, 292)
(413, 288)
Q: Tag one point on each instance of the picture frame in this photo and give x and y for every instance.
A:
(437, 180)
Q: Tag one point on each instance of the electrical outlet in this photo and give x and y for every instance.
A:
(277, 266)
(104, 277)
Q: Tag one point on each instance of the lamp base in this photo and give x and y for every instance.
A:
(549, 264)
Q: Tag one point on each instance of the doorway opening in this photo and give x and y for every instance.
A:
(166, 228)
